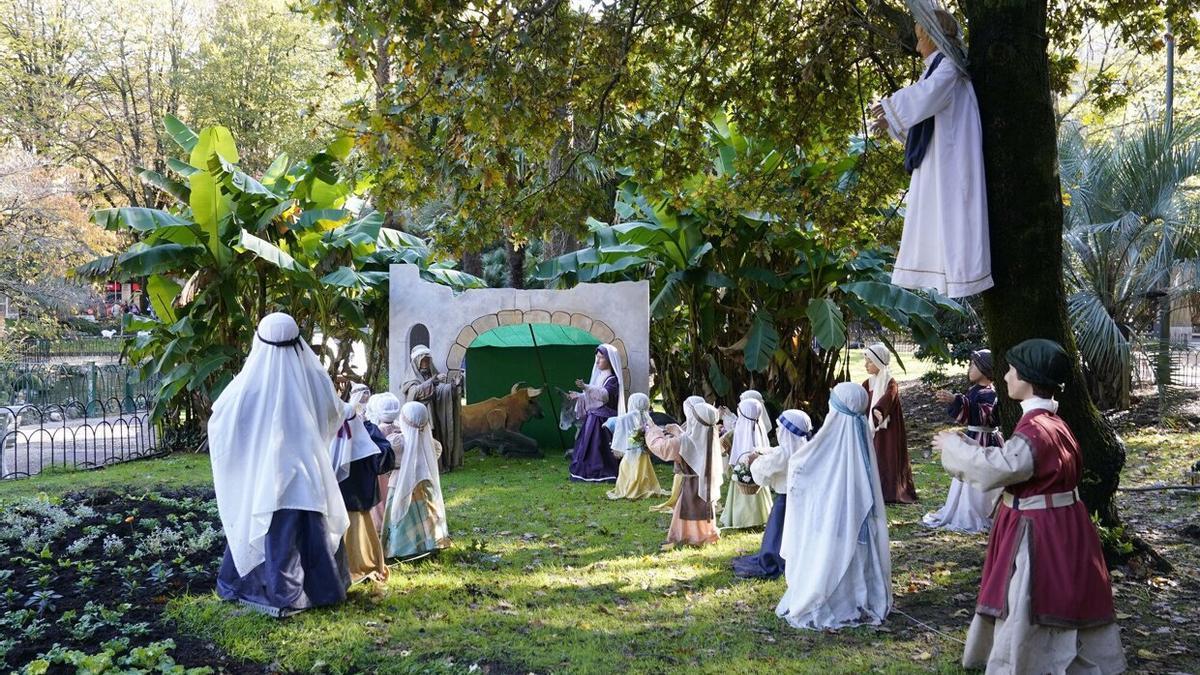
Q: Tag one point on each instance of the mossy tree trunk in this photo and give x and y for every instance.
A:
(1010, 70)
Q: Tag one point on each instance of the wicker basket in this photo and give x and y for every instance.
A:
(748, 488)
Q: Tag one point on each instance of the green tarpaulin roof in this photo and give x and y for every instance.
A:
(547, 334)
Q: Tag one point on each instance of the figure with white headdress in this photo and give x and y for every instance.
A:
(677, 481)
(598, 399)
(415, 521)
(635, 476)
(769, 467)
(383, 410)
(360, 454)
(835, 539)
(442, 394)
(276, 484)
(944, 245)
(696, 451)
(747, 504)
(887, 422)
(1045, 600)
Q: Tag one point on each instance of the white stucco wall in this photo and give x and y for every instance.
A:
(615, 313)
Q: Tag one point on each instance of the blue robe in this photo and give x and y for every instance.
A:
(593, 459)
(767, 563)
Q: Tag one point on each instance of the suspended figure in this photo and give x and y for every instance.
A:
(944, 245)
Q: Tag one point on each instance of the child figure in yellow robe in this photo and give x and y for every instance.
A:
(635, 477)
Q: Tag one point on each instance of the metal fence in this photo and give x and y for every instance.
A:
(1185, 365)
(39, 350)
(75, 435)
(42, 384)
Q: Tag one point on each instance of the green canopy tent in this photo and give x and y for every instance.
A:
(506, 355)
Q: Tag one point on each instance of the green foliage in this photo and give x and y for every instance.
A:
(240, 248)
(1131, 234)
(773, 295)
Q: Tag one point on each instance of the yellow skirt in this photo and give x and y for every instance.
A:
(669, 505)
(636, 478)
(364, 551)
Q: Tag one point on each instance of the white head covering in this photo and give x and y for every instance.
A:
(351, 443)
(771, 468)
(417, 463)
(417, 354)
(359, 393)
(700, 446)
(835, 518)
(383, 408)
(756, 395)
(269, 438)
(879, 355)
(953, 47)
(599, 377)
(748, 432)
(625, 426)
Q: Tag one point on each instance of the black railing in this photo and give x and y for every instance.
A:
(1185, 365)
(41, 384)
(75, 435)
(38, 350)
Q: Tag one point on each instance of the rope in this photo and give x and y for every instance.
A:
(929, 628)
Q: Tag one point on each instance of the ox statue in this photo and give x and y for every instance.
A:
(495, 424)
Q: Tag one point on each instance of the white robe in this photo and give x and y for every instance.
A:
(945, 241)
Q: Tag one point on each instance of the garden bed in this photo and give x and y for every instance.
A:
(93, 573)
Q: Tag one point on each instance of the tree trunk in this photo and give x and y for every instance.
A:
(472, 263)
(515, 256)
(1010, 71)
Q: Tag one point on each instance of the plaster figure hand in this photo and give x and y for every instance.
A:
(579, 383)
(943, 396)
(942, 439)
(878, 415)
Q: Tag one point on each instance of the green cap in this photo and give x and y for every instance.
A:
(1041, 362)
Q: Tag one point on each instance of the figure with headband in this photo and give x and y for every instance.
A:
(442, 394)
(886, 420)
(635, 478)
(361, 454)
(967, 509)
(696, 451)
(835, 538)
(600, 398)
(414, 523)
(769, 468)
(746, 504)
(1045, 600)
(944, 245)
(276, 484)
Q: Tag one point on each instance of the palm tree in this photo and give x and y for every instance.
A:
(1132, 241)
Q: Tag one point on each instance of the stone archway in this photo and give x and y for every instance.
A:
(617, 313)
(596, 327)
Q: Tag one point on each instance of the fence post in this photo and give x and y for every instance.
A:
(92, 373)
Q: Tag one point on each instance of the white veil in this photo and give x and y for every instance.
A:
(748, 432)
(771, 468)
(625, 426)
(700, 446)
(953, 47)
(418, 463)
(757, 395)
(879, 355)
(835, 525)
(599, 377)
(269, 438)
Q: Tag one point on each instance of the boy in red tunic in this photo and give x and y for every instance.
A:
(1045, 602)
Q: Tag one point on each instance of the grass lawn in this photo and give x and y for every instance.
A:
(550, 576)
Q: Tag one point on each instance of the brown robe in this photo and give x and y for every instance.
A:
(891, 447)
(693, 521)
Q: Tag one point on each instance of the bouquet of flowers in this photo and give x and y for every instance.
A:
(743, 479)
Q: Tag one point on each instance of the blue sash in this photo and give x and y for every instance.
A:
(921, 134)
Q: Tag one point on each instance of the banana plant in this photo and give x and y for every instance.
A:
(232, 248)
(741, 296)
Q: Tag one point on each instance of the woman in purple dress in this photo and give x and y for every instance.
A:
(599, 399)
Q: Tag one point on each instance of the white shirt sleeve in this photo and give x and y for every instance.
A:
(989, 468)
(921, 100)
